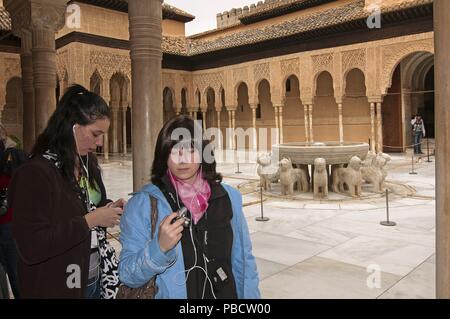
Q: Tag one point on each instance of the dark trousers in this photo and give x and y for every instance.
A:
(8, 257)
(417, 142)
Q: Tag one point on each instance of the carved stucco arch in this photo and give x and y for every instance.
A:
(256, 90)
(344, 80)
(394, 54)
(236, 94)
(283, 84)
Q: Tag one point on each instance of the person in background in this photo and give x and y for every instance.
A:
(10, 159)
(418, 129)
(60, 206)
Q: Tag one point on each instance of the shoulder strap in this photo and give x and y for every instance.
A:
(153, 214)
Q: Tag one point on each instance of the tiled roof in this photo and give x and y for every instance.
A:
(336, 16)
(332, 17)
(5, 20)
(179, 12)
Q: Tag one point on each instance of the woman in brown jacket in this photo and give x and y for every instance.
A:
(59, 231)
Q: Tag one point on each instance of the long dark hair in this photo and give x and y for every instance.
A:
(165, 143)
(77, 106)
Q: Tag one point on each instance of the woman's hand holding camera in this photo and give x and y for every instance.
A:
(107, 216)
(170, 232)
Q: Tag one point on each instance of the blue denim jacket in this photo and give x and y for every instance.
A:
(141, 258)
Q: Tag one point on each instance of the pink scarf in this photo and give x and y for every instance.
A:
(194, 196)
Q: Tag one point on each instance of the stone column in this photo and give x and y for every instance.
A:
(311, 134)
(43, 18)
(115, 128)
(230, 126)
(29, 110)
(145, 18)
(280, 115)
(233, 123)
(106, 147)
(379, 129)
(204, 119)
(306, 111)
(442, 80)
(341, 124)
(255, 135)
(277, 127)
(195, 115)
(372, 127)
(124, 130)
(219, 138)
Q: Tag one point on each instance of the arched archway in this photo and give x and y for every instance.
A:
(243, 114)
(119, 89)
(211, 110)
(356, 108)
(293, 111)
(169, 111)
(12, 113)
(184, 101)
(95, 83)
(325, 111)
(411, 92)
(265, 117)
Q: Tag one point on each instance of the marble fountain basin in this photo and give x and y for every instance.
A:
(333, 152)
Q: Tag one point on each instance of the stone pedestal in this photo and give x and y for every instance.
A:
(145, 18)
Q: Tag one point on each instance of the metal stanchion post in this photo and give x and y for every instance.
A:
(412, 165)
(387, 222)
(237, 161)
(261, 218)
(428, 151)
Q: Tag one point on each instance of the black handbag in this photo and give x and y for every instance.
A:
(149, 290)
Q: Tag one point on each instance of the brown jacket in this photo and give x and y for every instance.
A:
(52, 235)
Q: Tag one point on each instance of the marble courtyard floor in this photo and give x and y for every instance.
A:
(333, 249)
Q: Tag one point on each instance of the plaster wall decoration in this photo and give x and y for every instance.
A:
(323, 62)
(12, 68)
(110, 63)
(240, 75)
(213, 80)
(394, 53)
(62, 62)
(289, 67)
(168, 80)
(261, 71)
(354, 59)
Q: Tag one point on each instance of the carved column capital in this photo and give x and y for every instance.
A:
(36, 14)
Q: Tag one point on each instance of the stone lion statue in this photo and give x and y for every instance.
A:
(320, 179)
(289, 177)
(348, 179)
(375, 172)
(268, 173)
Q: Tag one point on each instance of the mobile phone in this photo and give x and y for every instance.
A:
(182, 212)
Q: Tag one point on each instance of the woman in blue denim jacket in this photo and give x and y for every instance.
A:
(207, 253)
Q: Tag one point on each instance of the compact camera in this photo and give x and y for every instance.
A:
(182, 212)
